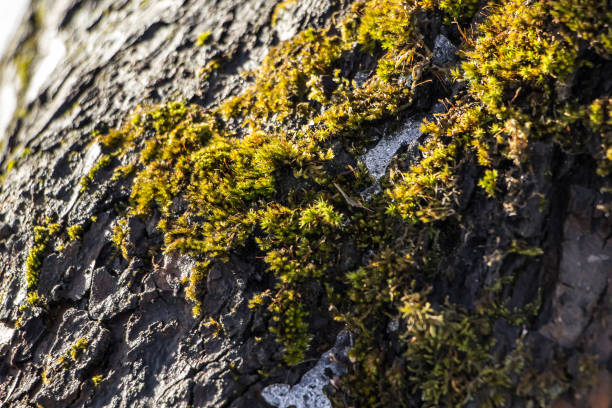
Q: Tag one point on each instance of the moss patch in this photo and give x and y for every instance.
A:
(255, 173)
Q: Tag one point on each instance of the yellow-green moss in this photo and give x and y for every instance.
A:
(591, 20)
(209, 69)
(203, 38)
(279, 8)
(119, 234)
(229, 167)
(599, 115)
(43, 236)
(75, 232)
(489, 182)
(79, 347)
(86, 181)
(230, 181)
(452, 9)
(97, 379)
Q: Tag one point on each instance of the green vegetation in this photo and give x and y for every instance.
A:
(280, 7)
(209, 69)
(86, 181)
(203, 38)
(600, 120)
(489, 182)
(43, 236)
(97, 379)
(75, 232)
(72, 354)
(120, 232)
(80, 346)
(254, 172)
(452, 9)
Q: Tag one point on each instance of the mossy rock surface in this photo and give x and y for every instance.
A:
(194, 209)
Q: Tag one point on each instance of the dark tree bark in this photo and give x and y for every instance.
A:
(113, 56)
(113, 331)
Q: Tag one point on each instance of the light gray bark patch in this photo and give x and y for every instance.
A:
(308, 393)
(378, 158)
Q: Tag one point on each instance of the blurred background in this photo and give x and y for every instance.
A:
(11, 13)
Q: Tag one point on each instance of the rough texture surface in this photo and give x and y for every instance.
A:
(143, 340)
(116, 331)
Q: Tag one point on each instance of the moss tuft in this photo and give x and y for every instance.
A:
(75, 232)
(43, 236)
(252, 176)
(203, 38)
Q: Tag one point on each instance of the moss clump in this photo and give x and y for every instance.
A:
(43, 236)
(599, 115)
(446, 362)
(231, 179)
(86, 181)
(75, 232)
(590, 20)
(252, 175)
(452, 9)
(97, 379)
(119, 235)
(209, 69)
(80, 346)
(203, 38)
(489, 182)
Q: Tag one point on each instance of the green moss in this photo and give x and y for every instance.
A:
(489, 182)
(79, 347)
(122, 172)
(215, 326)
(279, 8)
(452, 9)
(599, 115)
(456, 345)
(11, 165)
(43, 236)
(203, 38)
(86, 181)
(119, 234)
(97, 379)
(209, 69)
(590, 20)
(75, 232)
(230, 180)
(251, 174)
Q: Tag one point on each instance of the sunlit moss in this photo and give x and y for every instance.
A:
(119, 235)
(279, 8)
(43, 236)
(251, 173)
(75, 232)
(203, 38)
(452, 9)
(79, 347)
(86, 181)
(97, 379)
